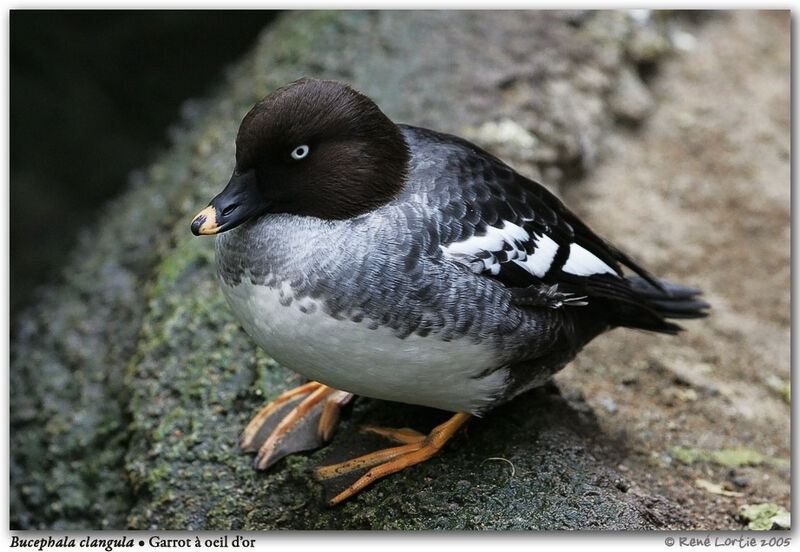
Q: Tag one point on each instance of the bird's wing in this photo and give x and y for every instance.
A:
(502, 225)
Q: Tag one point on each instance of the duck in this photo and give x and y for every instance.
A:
(403, 264)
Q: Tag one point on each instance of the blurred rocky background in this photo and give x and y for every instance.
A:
(92, 94)
(668, 132)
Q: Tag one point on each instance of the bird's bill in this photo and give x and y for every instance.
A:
(238, 202)
(205, 222)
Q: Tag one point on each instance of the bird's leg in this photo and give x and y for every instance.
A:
(300, 419)
(404, 435)
(330, 413)
(417, 448)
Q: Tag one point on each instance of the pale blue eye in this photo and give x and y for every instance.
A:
(299, 152)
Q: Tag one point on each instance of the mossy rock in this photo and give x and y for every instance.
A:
(131, 380)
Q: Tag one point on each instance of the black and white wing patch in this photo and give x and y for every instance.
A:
(489, 250)
(519, 233)
(522, 257)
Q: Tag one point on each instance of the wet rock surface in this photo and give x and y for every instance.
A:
(711, 164)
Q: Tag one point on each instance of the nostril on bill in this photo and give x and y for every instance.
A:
(197, 223)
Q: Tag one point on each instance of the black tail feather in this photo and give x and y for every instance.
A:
(655, 306)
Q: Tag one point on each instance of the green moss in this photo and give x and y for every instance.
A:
(300, 33)
(168, 424)
(737, 457)
(187, 255)
(732, 457)
(765, 516)
(785, 391)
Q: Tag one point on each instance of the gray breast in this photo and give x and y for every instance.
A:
(374, 270)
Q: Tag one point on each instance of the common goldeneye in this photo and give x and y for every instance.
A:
(404, 264)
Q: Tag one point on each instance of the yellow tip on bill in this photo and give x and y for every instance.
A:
(205, 222)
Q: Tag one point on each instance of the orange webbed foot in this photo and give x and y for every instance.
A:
(415, 448)
(302, 418)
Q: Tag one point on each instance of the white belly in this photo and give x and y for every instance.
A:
(348, 355)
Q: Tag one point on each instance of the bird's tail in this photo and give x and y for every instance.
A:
(655, 306)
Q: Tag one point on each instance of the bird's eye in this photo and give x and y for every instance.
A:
(299, 152)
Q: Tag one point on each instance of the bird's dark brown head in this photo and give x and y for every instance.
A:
(315, 148)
